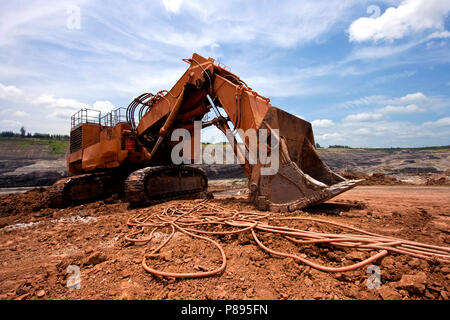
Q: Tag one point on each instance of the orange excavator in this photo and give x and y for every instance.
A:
(130, 150)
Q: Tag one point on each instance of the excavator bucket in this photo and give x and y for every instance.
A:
(302, 178)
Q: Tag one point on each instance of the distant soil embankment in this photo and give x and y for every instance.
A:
(387, 161)
(32, 148)
(26, 162)
(421, 166)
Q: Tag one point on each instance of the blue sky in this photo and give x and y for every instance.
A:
(365, 73)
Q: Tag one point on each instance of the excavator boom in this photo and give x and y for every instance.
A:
(287, 173)
(302, 178)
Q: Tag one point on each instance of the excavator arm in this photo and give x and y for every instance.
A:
(299, 178)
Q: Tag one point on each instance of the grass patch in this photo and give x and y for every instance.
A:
(58, 147)
(54, 146)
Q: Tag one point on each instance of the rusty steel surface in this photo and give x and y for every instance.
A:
(302, 179)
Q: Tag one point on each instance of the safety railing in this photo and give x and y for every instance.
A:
(85, 116)
(95, 117)
(114, 117)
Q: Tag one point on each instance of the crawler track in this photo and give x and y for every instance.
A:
(144, 186)
(85, 188)
(157, 184)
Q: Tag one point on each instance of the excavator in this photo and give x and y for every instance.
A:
(129, 151)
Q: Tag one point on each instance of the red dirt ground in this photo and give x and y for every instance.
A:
(37, 244)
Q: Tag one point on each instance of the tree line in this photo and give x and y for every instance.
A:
(24, 134)
(339, 146)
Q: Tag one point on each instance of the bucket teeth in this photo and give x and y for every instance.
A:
(320, 197)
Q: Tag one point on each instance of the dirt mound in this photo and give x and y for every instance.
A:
(9, 166)
(31, 179)
(415, 170)
(438, 181)
(30, 173)
(20, 203)
(374, 179)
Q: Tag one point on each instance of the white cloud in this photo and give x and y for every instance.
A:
(380, 51)
(410, 98)
(381, 133)
(284, 24)
(204, 24)
(49, 101)
(412, 108)
(393, 76)
(333, 135)
(21, 114)
(439, 123)
(417, 98)
(439, 35)
(59, 108)
(10, 92)
(363, 116)
(364, 101)
(381, 122)
(363, 131)
(172, 5)
(409, 17)
(12, 123)
(103, 106)
(322, 123)
(375, 108)
(284, 85)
